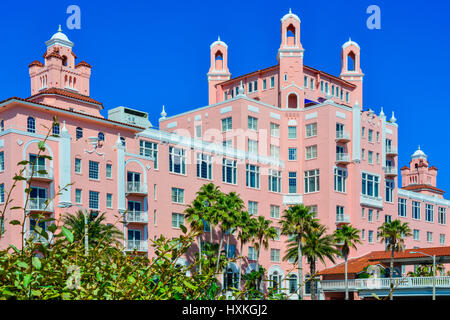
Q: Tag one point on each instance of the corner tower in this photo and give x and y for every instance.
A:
(290, 59)
(351, 69)
(218, 71)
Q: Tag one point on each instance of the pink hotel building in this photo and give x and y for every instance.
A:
(279, 136)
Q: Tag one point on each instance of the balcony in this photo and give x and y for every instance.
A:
(41, 173)
(342, 158)
(40, 205)
(390, 171)
(369, 201)
(391, 151)
(342, 136)
(342, 218)
(137, 245)
(137, 217)
(136, 188)
(292, 199)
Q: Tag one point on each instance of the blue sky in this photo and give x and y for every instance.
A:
(137, 48)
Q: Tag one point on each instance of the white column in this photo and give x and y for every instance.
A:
(120, 176)
(65, 166)
(383, 138)
(356, 139)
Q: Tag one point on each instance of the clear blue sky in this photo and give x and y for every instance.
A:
(137, 48)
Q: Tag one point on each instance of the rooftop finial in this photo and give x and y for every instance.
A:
(381, 112)
(163, 113)
(393, 118)
(419, 147)
(59, 29)
(290, 11)
(218, 38)
(241, 89)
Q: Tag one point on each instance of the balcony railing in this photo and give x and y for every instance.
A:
(138, 245)
(137, 216)
(136, 187)
(384, 283)
(342, 218)
(342, 136)
(39, 172)
(390, 171)
(39, 204)
(391, 151)
(342, 158)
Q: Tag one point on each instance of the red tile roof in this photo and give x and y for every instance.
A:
(357, 265)
(35, 63)
(423, 187)
(83, 64)
(65, 93)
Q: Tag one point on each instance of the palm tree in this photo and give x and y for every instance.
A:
(393, 234)
(297, 221)
(98, 231)
(195, 215)
(263, 232)
(246, 231)
(210, 195)
(318, 246)
(346, 237)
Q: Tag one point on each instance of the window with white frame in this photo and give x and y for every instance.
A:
(370, 136)
(363, 213)
(177, 195)
(109, 200)
(442, 239)
(229, 171)
(177, 160)
(311, 152)
(93, 200)
(416, 234)
(264, 84)
(204, 166)
(363, 157)
(416, 210)
(429, 212)
(109, 170)
(278, 233)
(77, 195)
(77, 165)
(252, 176)
(363, 234)
(31, 125)
(93, 170)
(253, 208)
(252, 123)
(272, 82)
(79, 133)
(227, 124)
(198, 131)
(177, 220)
(292, 154)
(370, 215)
(340, 179)
(442, 216)
(339, 213)
(292, 132)
(149, 149)
(252, 146)
(292, 182)
(387, 218)
(274, 180)
(311, 83)
(313, 209)
(370, 157)
(401, 207)
(370, 236)
(274, 211)
(275, 255)
(305, 78)
(252, 254)
(274, 151)
(370, 185)
(2, 193)
(429, 236)
(2, 161)
(312, 181)
(390, 190)
(274, 130)
(311, 130)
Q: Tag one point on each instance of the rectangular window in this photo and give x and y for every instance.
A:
(198, 131)
(363, 213)
(109, 170)
(274, 211)
(313, 209)
(251, 253)
(274, 180)
(416, 234)
(77, 165)
(370, 157)
(370, 236)
(340, 179)
(252, 176)
(2, 193)
(429, 236)
(250, 87)
(149, 149)
(401, 207)
(272, 82)
(321, 86)
(312, 181)
(442, 218)
(378, 158)
(93, 170)
(311, 152)
(389, 190)
(363, 157)
(253, 208)
(370, 185)
(252, 123)
(346, 97)
(109, 200)
(339, 213)
(292, 152)
(311, 130)
(311, 83)
(363, 234)
(370, 136)
(370, 215)
(252, 146)
(429, 213)
(387, 218)
(177, 195)
(77, 195)
(2, 161)
(177, 160)
(416, 210)
(363, 131)
(204, 166)
(378, 136)
(177, 220)
(292, 182)
(227, 124)
(305, 78)
(274, 151)
(93, 200)
(292, 132)
(229, 171)
(275, 255)
(442, 239)
(274, 130)
(264, 84)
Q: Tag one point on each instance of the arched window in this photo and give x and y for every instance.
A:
(31, 125)
(290, 35)
(74, 82)
(230, 279)
(351, 60)
(292, 101)
(101, 136)
(79, 133)
(275, 281)
(55, 129)
(65, 80)
(219, 60)
(64, 61)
